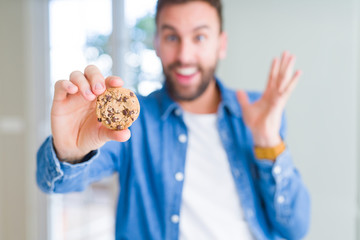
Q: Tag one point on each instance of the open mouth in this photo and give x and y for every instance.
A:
(186, 71)
(185, 74)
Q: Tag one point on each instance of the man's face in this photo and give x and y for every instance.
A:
(189, 44)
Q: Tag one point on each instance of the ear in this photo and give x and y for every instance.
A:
(156, 44)
(223, 45)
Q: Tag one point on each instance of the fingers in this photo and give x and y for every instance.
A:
(91, 83)
(78, 79)
(281, 73)
(286, 72)
(273, 75)
(63, 88)
(243, 99)
(283, 63)
(95, 78)
(114, 81)
(292, 83)
(106, 134)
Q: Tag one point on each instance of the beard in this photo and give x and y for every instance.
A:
(179, 93)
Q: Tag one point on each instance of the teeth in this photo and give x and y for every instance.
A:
(186, 71)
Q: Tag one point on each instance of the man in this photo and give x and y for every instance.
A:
(197, 166)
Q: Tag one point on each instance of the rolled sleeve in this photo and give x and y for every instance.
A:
(279, 169)
(286, 197)
(50, 169)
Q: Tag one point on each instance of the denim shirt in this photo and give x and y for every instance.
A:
(275, 202)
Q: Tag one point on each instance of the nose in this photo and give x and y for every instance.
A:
(186, 52)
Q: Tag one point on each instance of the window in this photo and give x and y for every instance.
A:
(82, 32)
(79, 35)
(143, 68)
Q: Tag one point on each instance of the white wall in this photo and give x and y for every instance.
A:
(322, 113)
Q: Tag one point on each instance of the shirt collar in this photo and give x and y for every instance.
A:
(228, 101)
(168, 105)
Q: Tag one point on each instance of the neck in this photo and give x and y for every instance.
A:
(208, 102)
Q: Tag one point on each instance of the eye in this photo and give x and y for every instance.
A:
(171, 38)
(200, 38)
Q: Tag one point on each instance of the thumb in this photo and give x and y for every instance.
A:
(242, 98)
(106, 134)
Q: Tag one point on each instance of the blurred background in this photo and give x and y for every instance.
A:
(45, 40)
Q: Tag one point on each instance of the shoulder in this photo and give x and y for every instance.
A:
(230, 93)
(150, 101)
(153, 98)
(152, 105)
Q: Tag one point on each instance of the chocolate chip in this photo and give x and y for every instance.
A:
(99, 119)
(119, 100)
(126, 112)
(131, 94)
(119, 127)
(108, 121)
(125, 99)
(114, 119)
(108, 97)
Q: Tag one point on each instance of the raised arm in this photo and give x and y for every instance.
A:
(286, 198)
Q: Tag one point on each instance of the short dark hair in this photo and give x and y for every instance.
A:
(215, 3)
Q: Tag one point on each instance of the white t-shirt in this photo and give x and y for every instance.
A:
(210, 206)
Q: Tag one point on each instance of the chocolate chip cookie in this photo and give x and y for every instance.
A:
(117, 108)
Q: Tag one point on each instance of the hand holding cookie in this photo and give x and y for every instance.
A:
(75, 127)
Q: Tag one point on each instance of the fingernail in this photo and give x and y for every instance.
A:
(98, 86)
(88, 92)
(116, 81)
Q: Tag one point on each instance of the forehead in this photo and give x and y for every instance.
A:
(188, 16)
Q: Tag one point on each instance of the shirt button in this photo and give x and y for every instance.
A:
(277, 170)
(178, 112)
(175, 218)
(179, 176)
(236, 173)
(281, 199)
(223, 135)
(250, 213)
(182, 138)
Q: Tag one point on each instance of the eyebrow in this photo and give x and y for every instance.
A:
(169, 27)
